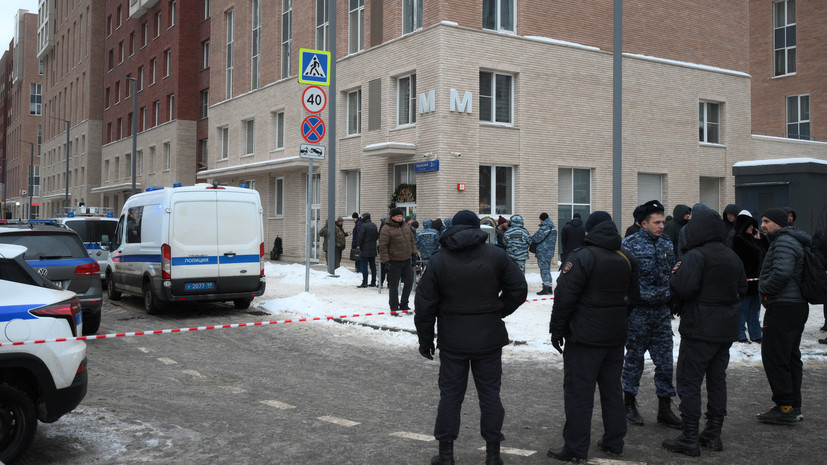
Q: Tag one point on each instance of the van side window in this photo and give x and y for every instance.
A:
(133, 224)
(116, 241)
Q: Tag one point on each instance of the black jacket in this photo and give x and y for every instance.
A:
(749, 249)
(468, 288)
(710, 280)
(783, 266)
(368, 235)
(819, 247)
(571, 237)
(633, 229)
(673, 228)
(596, 290)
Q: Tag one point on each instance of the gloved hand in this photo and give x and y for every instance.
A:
(557, 342)
(427, 350)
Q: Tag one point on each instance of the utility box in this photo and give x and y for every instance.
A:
(796, 183)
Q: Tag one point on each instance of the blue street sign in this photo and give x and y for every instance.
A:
(313, 129)
(314, 66)
(424, 166)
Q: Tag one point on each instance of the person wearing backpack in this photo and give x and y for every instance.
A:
(787, 310)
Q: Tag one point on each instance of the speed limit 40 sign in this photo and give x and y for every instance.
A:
(314, 99)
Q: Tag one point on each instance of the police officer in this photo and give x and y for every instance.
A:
(650, 323)
(709, 281)
(597, 287)
(427, 241)
(517, 239)
(467, 289)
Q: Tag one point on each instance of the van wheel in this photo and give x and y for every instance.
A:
(151, 303)
(242, 304)
(91, 323)
(18, 422)
(111, 292)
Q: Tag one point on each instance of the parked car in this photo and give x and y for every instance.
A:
(93, 231)
(37, 381)
(57, 254)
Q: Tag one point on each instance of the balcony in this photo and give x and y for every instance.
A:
(137, 8)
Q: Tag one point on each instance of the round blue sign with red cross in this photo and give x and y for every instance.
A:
(313, 129)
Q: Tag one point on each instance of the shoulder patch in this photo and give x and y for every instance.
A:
(567, 267)
(675, 268)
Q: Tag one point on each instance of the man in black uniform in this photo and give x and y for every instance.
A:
(597, 288)
(468, 288)
(709, 282)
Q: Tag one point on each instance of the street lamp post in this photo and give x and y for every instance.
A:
(66, 200)
(31, 175)
(134, 82)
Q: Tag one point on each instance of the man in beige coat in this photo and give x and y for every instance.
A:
(396, 247)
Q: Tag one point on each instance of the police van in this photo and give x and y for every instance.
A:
(94, 227)
(184, 244)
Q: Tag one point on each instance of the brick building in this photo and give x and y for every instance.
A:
(70, 44)
(23, 119)
(157, 43)
(5, 84)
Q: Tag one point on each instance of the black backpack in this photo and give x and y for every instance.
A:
(813, 279)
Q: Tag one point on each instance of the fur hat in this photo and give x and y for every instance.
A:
(652, 206)
(777, 216)
(597, 218)
(543, 216)
(395, 211)
(466, 217)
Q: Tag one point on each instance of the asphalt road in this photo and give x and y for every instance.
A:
(328, 393)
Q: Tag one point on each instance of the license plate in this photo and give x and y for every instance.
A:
(198, 286)
(58, 284)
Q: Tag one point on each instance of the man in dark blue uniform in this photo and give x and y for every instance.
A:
(467, 289)
(597, 287)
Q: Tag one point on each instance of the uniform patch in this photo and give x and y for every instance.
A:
(567, 267)
(675, 268)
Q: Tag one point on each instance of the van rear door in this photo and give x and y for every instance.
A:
(193, 240)
(239, 241)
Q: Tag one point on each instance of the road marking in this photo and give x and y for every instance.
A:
(338, 421)
(167, 361)
(513, 451)
(414, 436)
(613, 462)
(233, 389)
(193, 373)
(277, 404)
(145, 350)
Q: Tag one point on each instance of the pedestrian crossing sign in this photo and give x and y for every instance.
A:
(314, 66)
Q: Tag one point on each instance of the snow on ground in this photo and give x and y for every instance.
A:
(528, 326)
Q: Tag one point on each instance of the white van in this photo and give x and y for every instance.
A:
(182, 244)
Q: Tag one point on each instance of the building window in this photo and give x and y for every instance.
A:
(709, 122)
(352, 179)
(127, 160)
(498, 15)
(322, 24)
(105, 170)
(167, 155)
(225, 143)
(784, 37)
(278, 197)
(152, 159)
(286, 36)
(131, 43)
(109, 25)
(35, 99)
(356, 32)
(158, 24)
(228, 76)
(202, 157)
(255, 52)
(249, 137)
(153, 65)
(649, 186)
(798, 117)
(411, 15)
(354, 112)
(279, 130)
(496, 190)
(117, 91)
(128, 86)
(406, 100)
(106, 98)
(40, 67)
(119, 14)
(120, 52)
(139, 162)
(167, 62)
(403, 173)
(171, 105)
(496, 92)
(172, 13)
(205, 51)
(206, 9)
(117, 168)
(140, 78)
(205, 102)
(710, 189)
(574, 193)
(111, 60)
(143, 119)
(157, 109)
(145, 34)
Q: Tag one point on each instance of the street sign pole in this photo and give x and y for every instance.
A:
(331, 162)
(307, 222)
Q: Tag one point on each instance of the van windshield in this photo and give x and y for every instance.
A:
(93, 231)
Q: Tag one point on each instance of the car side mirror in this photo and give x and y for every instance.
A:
(105, 242)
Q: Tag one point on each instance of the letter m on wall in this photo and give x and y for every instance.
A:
(427, 103)
(463, 105)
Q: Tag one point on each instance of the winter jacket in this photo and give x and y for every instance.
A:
(545, 247)
(749, 249)
(656, 257)
(427, 240)
(340, 237)
(571, 237)
(633, 229)
(596, 290)
(396, 242)
(710, 280)
(368, 235)
(733, 210)
(673, 228)
(783, 266)
(468, 288)
(357, 226)
(517, 239)
(819, 247)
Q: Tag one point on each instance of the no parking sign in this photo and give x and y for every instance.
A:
(313, 129)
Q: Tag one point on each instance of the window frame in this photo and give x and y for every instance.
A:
(498, 14)
(228, 70)
(249, 137)
(799, 116)
(356, 127)
(492, 195)
(781, 45)
(572, 206)
(278, 133)
(409, 100)
(705, 125)
(356, 19)
(411, 16)
(224, 139)
(278, 197)
(286, 37)
(255, 45)
(493, 98)
(322, 27)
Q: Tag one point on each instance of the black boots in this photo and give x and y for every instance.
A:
(565, 454)
(665, 415)
(710, 437)
(492, 454)
(546, 291)
(446, 454)
(686, 443)
(632, 415)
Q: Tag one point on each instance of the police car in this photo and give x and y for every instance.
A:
(94, 230)
(37, 381)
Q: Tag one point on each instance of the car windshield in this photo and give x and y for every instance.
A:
(93, 231)
(47, 246)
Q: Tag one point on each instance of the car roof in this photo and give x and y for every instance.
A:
(11, 250)
(40, 227)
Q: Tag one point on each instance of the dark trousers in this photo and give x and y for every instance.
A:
(696, 360)
(404, 271)
(783, 325)
(584, 367)
(453, 380)
(364, 263)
